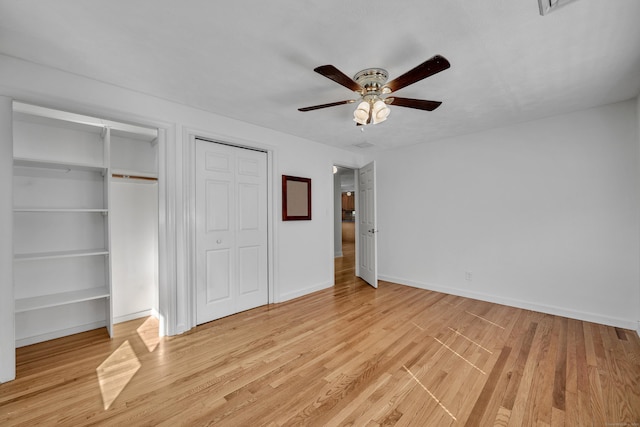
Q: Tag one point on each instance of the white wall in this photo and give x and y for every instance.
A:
(303, 249)
(134, 247)
(7, 320)
(638, 130)
(303, 243)
(543, 215)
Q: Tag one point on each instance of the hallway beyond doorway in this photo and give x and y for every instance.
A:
(345, 268)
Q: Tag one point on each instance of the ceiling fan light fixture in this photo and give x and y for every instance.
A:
(361, 115)
(380, 111)
(371, 85)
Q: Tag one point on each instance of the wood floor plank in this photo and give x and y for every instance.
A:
(502, 418)
(545, 390)
(523, 398)
(383, 402)
(518, 369)
(596, 398)
(560, 377)
(347, 355)
(479, 409)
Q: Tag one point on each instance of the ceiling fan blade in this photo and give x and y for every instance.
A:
(420, 104)
(331, 104)
(427, 68)
(331, 72)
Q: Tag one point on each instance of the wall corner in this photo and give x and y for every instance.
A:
(7, 319)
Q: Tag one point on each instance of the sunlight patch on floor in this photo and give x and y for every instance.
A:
(116, 371)
(470, 340)
(429, 393)
(418, 326)
(486, 320)
(148, 333)
(460, 356)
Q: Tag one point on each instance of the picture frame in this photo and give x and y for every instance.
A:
(296, 198)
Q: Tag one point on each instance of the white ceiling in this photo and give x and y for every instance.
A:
(253, 60)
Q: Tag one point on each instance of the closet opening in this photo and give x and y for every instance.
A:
(134, 225)
(85, 229)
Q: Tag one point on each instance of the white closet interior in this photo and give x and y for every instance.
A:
(134, 225)
(85, 243)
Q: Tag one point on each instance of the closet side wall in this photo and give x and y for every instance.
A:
(134, 245)
(7, 337)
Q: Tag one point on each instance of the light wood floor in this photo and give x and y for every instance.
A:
(350, 355)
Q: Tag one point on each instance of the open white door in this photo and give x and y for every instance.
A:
(367, 231)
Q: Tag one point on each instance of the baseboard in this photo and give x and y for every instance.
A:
(133, 316)
(547, 309)
(302, 292)
(22, 342)
(7, 379)
(338, 254)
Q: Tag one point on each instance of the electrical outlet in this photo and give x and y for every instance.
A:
(467, 276)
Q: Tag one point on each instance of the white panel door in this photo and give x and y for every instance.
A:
(367, 231)
(231, 230)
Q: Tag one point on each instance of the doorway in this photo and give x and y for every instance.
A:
(344, 223)
(345, 207)
(355, 230)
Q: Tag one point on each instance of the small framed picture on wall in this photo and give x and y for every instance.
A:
(296, 198)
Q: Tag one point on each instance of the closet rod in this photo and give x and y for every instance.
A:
(146, 178)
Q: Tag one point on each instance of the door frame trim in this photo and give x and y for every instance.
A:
(189, 294)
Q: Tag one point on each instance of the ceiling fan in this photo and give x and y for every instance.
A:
(371, 84)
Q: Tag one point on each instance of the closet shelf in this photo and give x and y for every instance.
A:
(59, 254)
(58, 165)
(62, 210)
(36, 113)
(62, 298)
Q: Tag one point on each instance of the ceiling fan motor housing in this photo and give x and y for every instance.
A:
(372, 81)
